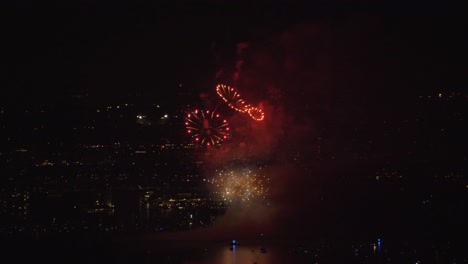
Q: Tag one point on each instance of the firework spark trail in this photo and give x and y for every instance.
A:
(232, 98)
(256, 113)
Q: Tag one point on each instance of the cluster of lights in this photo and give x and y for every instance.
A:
(233, 99)
(207, 127)
(241, 185)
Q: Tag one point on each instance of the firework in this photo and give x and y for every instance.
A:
(243, 185)
(207, 127)
(256, 113)
(232, 98)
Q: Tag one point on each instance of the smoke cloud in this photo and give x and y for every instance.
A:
(316, 83)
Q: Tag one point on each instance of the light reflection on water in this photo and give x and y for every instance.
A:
(247, 252)
(240, 255)
(287, 251)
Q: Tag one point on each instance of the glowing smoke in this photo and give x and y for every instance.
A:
(239, 52)
(324, 88)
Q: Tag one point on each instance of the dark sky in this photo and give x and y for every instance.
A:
(104, 47)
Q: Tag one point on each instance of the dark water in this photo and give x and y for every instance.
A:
(211, 252)
(136, 250)
(291, 251)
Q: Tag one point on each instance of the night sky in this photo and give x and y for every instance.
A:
(347, 77)
(103, 47)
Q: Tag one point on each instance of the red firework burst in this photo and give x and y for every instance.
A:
(207, 127)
